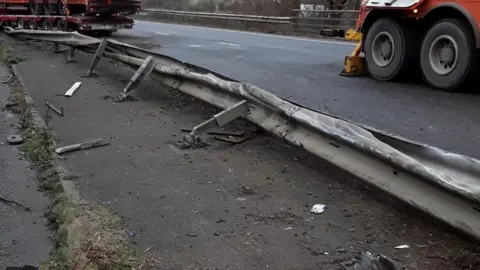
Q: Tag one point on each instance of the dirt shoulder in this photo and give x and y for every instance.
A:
(225, 206)
(24, 232)
(85, 235)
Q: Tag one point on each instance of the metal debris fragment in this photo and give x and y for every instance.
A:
(402, 246)
(219, 133)
(372, 261)
(72, 89)
(7, 201)
(81, 146)
(53, 108)
(7, 80)
(231, 139)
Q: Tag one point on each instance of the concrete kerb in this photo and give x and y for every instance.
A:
(59, 165)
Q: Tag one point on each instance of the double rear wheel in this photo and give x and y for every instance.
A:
(446, 55)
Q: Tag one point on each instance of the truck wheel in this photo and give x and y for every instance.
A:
(447, 57)
(47, 7)
(60, 7)
(33, 7)
(389, 49)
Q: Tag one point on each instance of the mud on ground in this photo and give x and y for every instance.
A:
(225, 206)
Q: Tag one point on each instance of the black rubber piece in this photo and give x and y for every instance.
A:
(47, 7)
(33, 7)
(60, 8)
(465, 70)
(405, 50)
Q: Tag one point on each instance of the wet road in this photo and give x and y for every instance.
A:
(306, 71)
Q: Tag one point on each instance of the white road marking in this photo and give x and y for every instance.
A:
(260, 34)
(229, 44)
(162, 34)
(195, 46)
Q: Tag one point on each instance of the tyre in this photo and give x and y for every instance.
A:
(389, 49)
(47, 7)
(60, 7)
(33, 7)
(448, 55)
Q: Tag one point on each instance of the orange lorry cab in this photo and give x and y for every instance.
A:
(436, 38)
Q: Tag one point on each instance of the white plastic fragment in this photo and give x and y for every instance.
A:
(318, 208)
(402, 246)
(72, 89)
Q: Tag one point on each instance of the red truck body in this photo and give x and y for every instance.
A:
(104, 16)
(437, 39)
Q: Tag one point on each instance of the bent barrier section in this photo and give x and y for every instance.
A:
(442, 184)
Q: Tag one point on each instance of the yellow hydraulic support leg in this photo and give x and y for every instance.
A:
(354, 63)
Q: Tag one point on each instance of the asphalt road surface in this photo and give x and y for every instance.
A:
(306, 71)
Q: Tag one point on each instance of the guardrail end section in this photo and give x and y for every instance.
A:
(98, 54)
(142, 72)
(220, 119)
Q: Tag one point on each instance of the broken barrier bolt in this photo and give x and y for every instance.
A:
(98, 54)
(143, 71)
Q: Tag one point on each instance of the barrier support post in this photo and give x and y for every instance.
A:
(142, 72)
(98, 54)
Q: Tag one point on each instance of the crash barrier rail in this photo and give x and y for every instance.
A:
(442, 184)
(302, 21)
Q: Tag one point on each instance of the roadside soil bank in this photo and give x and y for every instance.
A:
(244, 206)
(85, 235)
(24, 234)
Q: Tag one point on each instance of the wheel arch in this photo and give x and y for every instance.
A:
(452, 10)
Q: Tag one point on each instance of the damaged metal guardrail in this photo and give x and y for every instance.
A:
(442, 184)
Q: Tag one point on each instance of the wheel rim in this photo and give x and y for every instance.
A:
(443, 55)
(383, 49)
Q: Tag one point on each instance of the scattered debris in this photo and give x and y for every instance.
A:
(51, 107)
(192, 234)
(247, 190)
(146, 250)
(240, 199)
(220, 220)
(231, 139)
(287, 229)
(81, 146)
(7, 80)
(14, 139)
(11, 104)
(220, 133)
(193, 142)
(318, 208)
(7, 201)
(402, 246)
(372, 261)
(341, 250)
(72, 89)
(25, 267)
(437, 256)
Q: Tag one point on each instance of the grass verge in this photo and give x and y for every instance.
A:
(87, 235)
